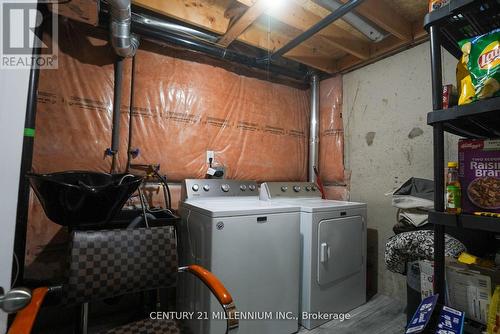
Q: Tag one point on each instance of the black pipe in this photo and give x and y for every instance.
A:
(326, 21)
(131, 116)
(150, 27)
(117, 97)
(23, 195)
(213, 50)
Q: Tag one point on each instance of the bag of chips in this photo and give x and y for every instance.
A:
(482, 56)
(466, 90)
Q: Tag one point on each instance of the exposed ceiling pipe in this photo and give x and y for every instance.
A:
(314, 128)
(160, 30)
(173, 27)
(326, 21)
(125, 45)
(148, 29)
(123, 42)
(117, 96)
(356, 21)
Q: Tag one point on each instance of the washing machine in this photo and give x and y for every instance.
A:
(333, 251)
(252, 246)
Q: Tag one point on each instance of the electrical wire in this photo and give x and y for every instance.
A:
(124, 177)
(167, 188)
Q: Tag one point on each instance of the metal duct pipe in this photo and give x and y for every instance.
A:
(173, 28)
(124, 44)
(208, 48)
(158, 30)
(356, 21)
(326, 21)
(314, 128)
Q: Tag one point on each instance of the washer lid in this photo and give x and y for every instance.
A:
(234, 206)
(320, 205)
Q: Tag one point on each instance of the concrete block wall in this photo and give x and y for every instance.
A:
(387, 140)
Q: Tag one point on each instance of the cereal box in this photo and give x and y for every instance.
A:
(479, 174)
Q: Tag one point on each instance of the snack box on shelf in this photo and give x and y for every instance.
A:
(479, 174)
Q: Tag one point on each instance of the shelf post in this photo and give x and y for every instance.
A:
(437, 104)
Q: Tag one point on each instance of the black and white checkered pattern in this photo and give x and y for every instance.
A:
(109, 263)
(149, 326)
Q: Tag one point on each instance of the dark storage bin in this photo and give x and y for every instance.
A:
(80, 198)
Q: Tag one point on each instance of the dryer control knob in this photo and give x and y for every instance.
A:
(225, 188)
(243, 187)
(296, 188)
(195, 187)
(206, 187)
(314, 188)
(308, 188)
(251, 187)
(284, 188)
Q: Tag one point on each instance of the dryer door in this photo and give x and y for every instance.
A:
(340, 248)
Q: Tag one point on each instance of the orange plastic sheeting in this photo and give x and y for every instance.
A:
(331, 142)
(73, 122)
(257, 129)
(339, 193)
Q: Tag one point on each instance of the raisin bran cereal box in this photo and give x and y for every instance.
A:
(479, 174)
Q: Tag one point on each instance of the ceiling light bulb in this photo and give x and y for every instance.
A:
(274, 5)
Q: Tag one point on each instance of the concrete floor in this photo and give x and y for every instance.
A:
(381, 315)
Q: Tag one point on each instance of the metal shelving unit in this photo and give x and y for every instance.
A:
(446, 26)
(478, 223)
(475, 120)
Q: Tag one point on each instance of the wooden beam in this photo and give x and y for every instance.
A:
(197, 12)
(208, 15)
(418, 30)
(299, 18)
(385, 17)
(234, 11)
(383, 49)
(326, 64)
(313, 55)
(243, 22)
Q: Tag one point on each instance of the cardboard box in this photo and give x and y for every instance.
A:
(479, 174)
(426, 278)
(469, 289)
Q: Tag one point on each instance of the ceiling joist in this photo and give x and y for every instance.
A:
(241, 23)
(339, 47)
(208, 15)
(299, 18)
(385, 17)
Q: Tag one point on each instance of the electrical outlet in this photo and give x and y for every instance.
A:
(210, 154)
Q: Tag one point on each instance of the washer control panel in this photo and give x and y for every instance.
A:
(270, 190)
(195, 188)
